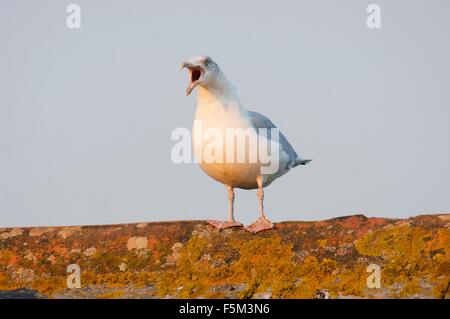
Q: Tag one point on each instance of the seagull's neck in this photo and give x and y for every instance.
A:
(219, 96)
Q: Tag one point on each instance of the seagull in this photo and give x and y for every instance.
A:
(219, 108)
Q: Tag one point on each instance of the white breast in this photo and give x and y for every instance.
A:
(218, 112)
(220, 115)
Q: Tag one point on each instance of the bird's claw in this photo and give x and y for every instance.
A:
(260, 224)
(221, 225)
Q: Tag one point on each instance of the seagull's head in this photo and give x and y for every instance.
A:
(202, 71)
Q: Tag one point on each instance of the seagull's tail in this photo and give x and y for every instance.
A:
(300, 161)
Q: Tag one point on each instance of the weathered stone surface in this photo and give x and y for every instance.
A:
(137, 243)
(12, 233)
(190, 259)
(90, 251)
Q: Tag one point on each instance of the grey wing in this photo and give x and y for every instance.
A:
(260, 121)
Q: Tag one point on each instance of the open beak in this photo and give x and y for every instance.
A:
(195, 76)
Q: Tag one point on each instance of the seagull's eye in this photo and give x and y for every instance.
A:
(195, 75)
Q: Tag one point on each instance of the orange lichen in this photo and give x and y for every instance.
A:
(191, 259)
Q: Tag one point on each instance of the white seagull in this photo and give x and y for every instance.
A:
(219, 108)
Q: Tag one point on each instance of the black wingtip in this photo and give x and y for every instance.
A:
(303, 162)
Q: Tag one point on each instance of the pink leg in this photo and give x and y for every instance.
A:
(230, 222)
(262, 223)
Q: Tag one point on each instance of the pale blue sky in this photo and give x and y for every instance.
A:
(86, 115)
